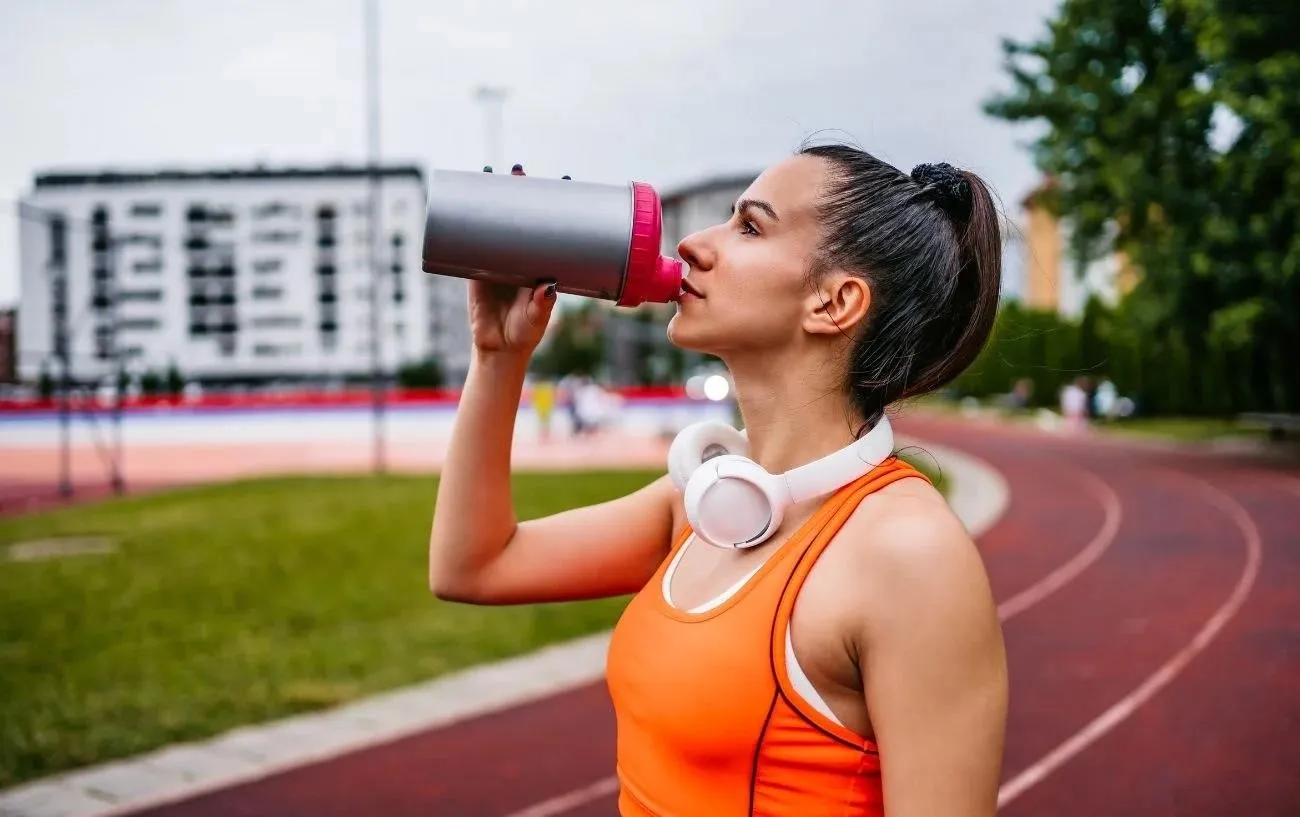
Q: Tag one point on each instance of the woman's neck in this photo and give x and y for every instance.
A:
(793, 414)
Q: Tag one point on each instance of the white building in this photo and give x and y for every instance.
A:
(240, 274)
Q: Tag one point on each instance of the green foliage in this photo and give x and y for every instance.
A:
(1171, 134)
(45, 383)
(1156, 371)
(575, 343)
(151, 383)
(174, 383)
(427, 374)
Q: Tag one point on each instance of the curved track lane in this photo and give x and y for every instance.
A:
(1149, 602)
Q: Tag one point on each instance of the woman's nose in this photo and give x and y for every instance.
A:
(694, 250)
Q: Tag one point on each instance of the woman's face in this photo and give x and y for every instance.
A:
(751, 270)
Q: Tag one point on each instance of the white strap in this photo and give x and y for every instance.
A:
(834, 471)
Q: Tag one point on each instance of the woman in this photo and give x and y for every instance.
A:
(852, 663)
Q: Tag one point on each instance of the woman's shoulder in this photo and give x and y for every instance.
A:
(903, 549)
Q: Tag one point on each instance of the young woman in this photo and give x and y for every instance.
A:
(852, 663)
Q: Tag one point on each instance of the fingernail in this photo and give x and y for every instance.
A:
(487, 168)
(518, 168)
(550, 292)
(568, 178)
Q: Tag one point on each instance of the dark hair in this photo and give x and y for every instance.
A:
(930, 244)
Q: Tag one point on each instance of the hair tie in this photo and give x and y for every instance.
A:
(947, 187)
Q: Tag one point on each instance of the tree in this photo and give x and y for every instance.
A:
(1169, 133)
(150, 383)
(426, 374)
(175, 383)
(45, 383)
(575, 344)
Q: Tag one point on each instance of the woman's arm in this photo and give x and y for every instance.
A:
(479, 553)
(933, 664)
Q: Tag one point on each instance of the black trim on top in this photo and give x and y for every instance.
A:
(837, 738)
(758, 751)
(771, 657)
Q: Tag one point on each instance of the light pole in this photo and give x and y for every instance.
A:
(376, 232)
(492, 98)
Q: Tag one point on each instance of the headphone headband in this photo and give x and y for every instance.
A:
(834, 471)
(731, 501)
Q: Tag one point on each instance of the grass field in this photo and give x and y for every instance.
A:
(1184, 429)
(1164, 427)
(238, 603)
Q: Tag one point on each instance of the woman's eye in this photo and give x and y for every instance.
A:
(747, 227)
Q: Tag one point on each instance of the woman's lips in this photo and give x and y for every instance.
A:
(690, 289)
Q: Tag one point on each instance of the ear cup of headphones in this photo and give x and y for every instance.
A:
(699, 442)
(732, 502)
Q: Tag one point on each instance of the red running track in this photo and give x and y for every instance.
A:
(1150, 608)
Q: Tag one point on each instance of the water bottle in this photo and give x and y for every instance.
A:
(595, 240)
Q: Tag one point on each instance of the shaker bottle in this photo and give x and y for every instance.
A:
(595, 240)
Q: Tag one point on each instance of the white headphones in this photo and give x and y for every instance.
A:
(732, 502)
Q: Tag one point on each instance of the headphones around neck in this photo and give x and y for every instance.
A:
(732, 502)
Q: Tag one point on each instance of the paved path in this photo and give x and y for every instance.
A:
(1149, 605)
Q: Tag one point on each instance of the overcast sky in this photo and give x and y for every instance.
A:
(667, 91)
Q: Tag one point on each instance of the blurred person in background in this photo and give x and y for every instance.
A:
(853, 662)
(1074, 406)
(543, 400)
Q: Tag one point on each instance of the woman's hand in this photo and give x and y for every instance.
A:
(509, 319)
(506, 318)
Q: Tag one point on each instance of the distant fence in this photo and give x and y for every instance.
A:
(295, 399)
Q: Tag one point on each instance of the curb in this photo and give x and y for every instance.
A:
(978, 495)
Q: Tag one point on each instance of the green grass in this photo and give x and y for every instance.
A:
(1184, 429)
(244, 602)
(1163, 427)
(239, 603)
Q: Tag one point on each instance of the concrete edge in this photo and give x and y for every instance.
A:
(978, 496)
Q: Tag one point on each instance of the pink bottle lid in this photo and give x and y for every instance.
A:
(651, 277)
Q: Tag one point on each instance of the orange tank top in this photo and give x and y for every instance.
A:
(709, 723)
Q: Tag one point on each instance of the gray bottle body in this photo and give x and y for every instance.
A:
(524, 230)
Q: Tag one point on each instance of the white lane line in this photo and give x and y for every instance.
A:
(570, 800)
(1069, 571)
(1129, 704)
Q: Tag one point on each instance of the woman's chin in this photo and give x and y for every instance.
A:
(685, 334)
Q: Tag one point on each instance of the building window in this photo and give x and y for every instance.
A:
(104, 342)
(147, 266)
(140, 296)
(276, 208)
(139, 324)
(276, 322)
(58, 241)
(146, 209)
(265, 293)
(277, 236)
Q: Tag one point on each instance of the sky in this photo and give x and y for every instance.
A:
(668, 92)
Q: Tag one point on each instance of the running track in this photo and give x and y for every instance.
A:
(1151, 605)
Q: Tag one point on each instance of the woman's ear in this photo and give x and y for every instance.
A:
(838, 304)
